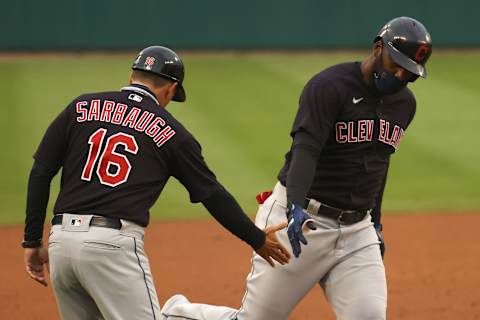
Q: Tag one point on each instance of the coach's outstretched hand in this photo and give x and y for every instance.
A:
(272, 249)
(296, 219)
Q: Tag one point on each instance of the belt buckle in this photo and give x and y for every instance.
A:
(340, 216)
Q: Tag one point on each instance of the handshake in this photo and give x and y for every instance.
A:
(273, 250)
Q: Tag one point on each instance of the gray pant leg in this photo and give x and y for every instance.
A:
(112, 268)
(272, 293)
(356, 287)
(73, 301)
(76, 304)
(348, 256)
(117, 274)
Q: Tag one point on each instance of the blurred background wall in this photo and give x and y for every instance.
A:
(240, 105)
(223, 24)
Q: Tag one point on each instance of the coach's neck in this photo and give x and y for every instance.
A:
(163, 89)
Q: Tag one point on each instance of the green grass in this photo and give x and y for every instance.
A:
(240, 107)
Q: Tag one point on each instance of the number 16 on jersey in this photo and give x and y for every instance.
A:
(109, 157)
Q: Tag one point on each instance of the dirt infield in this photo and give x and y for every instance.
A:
(432, 261)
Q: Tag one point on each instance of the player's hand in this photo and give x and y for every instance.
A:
(296, 220)
(36, 261)
(378, 229)
(272, 249)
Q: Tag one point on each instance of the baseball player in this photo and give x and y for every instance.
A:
(117, 151)
(351, 119)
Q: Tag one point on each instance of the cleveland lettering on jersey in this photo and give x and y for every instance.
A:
(393, 139)
(346, 131)
(362, 131)
(116, 113)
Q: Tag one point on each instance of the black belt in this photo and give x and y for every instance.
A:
(96, 221)
(340, 215)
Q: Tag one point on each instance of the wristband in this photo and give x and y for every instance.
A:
(32, 243)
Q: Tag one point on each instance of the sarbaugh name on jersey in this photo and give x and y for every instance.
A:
(362, 131)
(116, 113)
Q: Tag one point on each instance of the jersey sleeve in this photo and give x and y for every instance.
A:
(189, 167)
(377, 210)
(318, 108)
(413, 111)
(410, 107)
(52, 148)
(301, 173)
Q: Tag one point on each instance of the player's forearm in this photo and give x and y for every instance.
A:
(377, 210)
(37, 201)
(225, 209)
(302, 168)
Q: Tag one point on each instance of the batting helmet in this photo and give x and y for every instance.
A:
(165, 63)
(408, 43)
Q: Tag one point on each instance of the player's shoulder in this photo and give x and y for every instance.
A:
(404, 101)
(112, 94)
(336, 73)
(409, 96)
(409, 100)
(171, 120)
(337, 78)
(405, 97)
(101, 95)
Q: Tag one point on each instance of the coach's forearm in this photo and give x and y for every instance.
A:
(225, 209)
(37, 201)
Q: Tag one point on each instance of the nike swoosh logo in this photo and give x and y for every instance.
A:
(355, 101)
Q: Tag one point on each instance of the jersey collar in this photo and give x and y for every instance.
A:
(141, 89)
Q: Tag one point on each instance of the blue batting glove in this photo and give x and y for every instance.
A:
(378, 229)
(296, 219)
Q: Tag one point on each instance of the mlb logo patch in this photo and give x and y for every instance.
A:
(76, 222)
(149, 63)
(135, 97)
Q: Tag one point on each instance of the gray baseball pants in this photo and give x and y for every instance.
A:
(344, 260)
(101, 273)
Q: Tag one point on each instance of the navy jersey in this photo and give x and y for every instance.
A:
(117, 151)
(356, 131)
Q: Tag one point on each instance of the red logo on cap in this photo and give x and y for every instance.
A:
(149, 62)
(422, 53)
